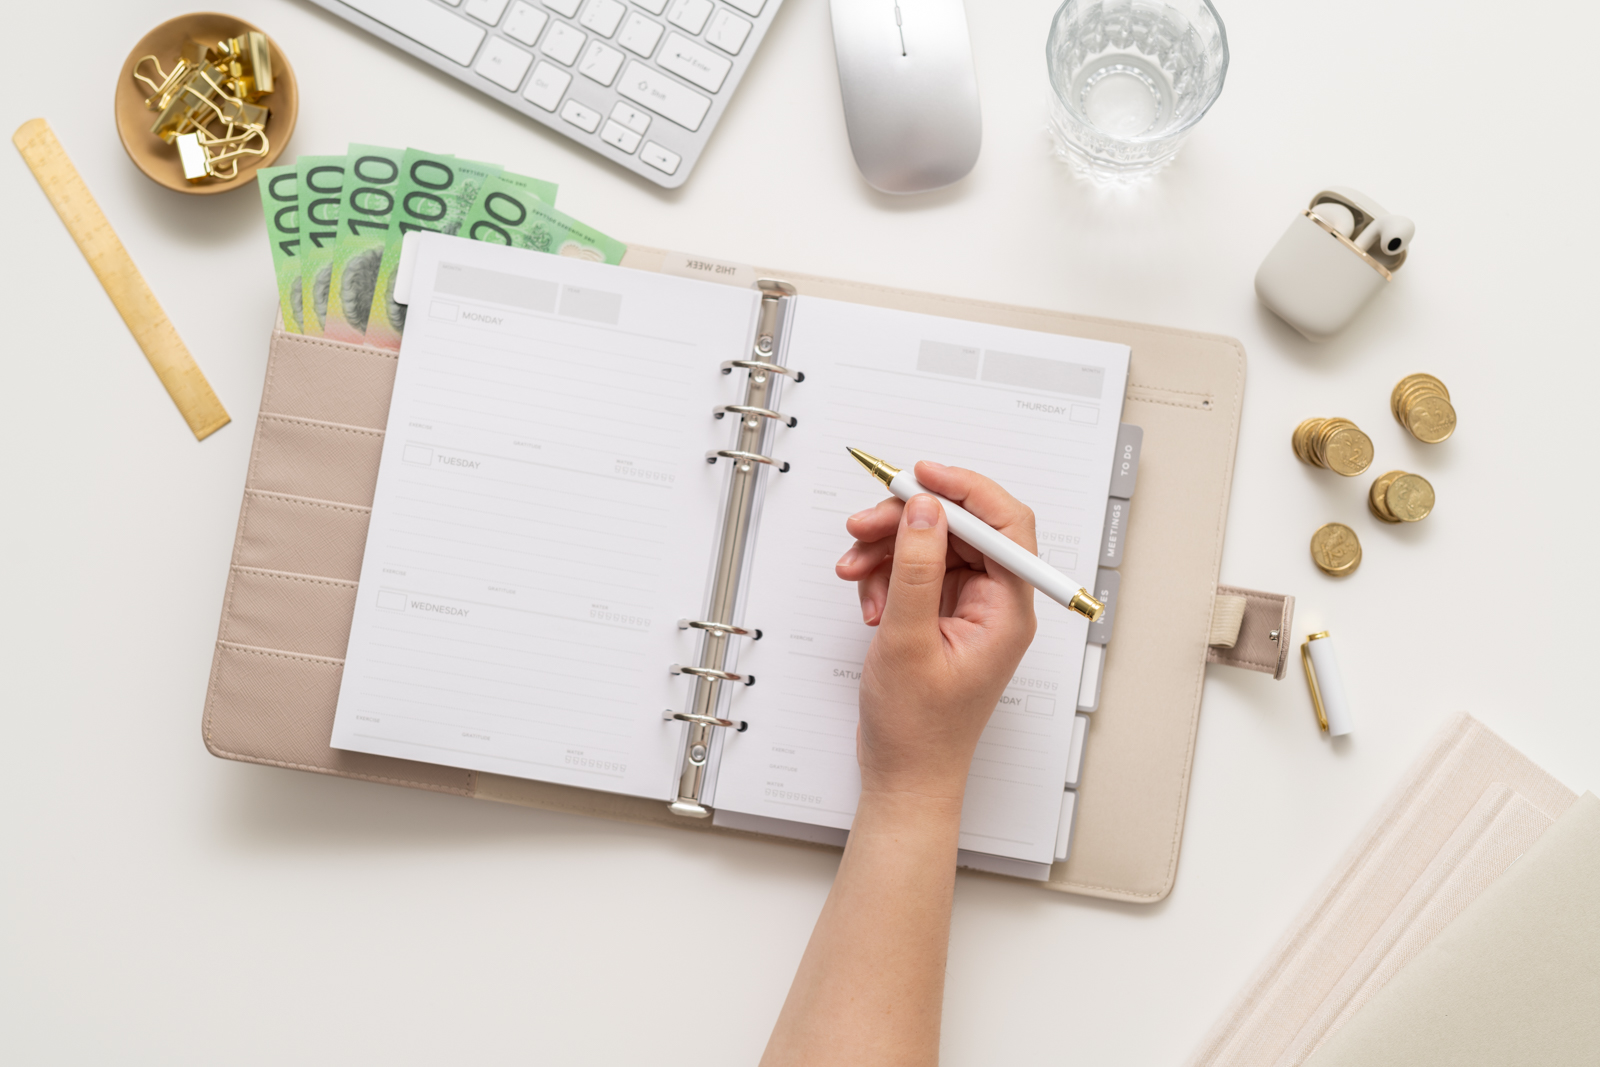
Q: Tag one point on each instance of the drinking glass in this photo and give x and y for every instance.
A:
(1129, 78)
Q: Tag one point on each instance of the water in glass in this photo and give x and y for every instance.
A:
(1128, 79)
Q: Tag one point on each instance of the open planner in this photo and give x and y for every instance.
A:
(735, 553)
(609, 502)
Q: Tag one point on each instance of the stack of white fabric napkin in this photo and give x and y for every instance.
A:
(1462, 928)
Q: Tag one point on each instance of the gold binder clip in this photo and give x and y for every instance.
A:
(249, 63)
(206, 105)
(192, 155)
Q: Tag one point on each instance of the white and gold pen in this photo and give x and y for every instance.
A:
(986, 539)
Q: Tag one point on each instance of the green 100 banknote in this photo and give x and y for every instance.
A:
(366, 209)
(321, 184)
(510, 212)
(434, 193)
(280, 200)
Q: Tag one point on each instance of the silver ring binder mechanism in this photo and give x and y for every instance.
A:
(765, 413)
(758, 416)
(718, 627)
(763, 365)
(740, 726)
(747, 457)
(712, 672)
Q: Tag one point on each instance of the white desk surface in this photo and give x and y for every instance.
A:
(160, 905)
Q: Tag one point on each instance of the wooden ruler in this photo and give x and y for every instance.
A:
(123, 284)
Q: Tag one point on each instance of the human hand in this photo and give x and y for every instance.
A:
(952, 627)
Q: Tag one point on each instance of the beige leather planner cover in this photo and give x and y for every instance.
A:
(302, 530)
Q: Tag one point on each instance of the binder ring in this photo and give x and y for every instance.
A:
(707, 720)
(734, 453)
(762, 365)
(714, 627)
(714, 674)
(746, 409)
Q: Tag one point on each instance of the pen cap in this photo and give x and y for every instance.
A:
(1315, 278)
(1328, 694)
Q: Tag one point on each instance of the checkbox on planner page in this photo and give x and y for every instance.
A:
(1085, 415)
(418, 455)
(1038, 705)
(391, 600)
(443, 309)
(1064, 559)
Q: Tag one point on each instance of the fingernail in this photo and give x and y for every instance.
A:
(859, 515)
(849, 557)
(922, 513)
(931, 465)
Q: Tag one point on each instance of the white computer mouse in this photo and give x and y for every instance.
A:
(910, 91)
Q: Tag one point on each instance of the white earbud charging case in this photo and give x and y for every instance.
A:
(1315, 278)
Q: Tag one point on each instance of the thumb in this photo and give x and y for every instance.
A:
(916, 581)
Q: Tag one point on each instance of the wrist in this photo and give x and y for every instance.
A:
(902, 809)
(918, 777)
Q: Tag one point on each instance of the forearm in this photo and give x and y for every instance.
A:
(871, 984)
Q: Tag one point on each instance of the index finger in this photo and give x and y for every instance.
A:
(984, 498)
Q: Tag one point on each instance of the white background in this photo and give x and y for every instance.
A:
(159, 905)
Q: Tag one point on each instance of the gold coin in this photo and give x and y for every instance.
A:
(1431, 419)
(1301, 438)
(1399, 391)
(1436, 383)
(1377, 497)
(1348, 451)
(1413, 395)
(1409, 498)
(1411, 388)
(1336, 550)
(1324, 434)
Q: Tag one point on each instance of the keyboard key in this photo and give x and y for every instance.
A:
(655, 7)
(568, 8)
(664, 96)
(601, 63)
(486, 10)
(692, 63)
(546, 87)
(427, 24)
(749, 7)
(660, 158)
(562, 43)
(585, 118)
(602, 16)
(640, 35)
(631, 117)
(690, 14)
(728, 31)
(525, 23)
(453, 3)
(619, 136)
(503, 63)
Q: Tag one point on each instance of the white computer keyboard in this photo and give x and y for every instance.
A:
(642, 83)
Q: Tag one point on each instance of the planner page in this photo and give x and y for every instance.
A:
(544, 515)
(1036, 412)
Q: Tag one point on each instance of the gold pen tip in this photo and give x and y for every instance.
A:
(876, 467)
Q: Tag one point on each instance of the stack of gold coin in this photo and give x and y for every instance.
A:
(1422, 405)
(1334, 444)
(1336, 550)
(1401, 497)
